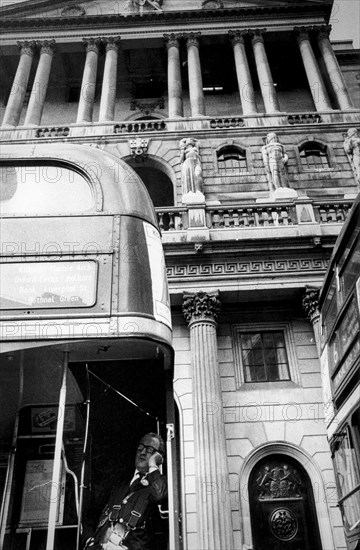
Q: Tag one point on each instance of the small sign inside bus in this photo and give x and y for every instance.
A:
(43, 285)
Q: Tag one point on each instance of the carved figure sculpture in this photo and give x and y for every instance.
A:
(191, 172)
(137, 5)
(275, 160)
(352, 149)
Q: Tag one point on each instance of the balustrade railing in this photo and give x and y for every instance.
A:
(225, 122)
(251, 216)
(172, 219)
(52, 131)
(304, 118)
(330, 212)
(140, 126)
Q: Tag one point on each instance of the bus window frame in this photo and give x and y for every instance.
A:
(350, 429)
(93, 184)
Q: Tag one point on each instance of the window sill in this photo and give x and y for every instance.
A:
(260, 386)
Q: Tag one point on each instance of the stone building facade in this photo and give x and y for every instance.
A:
(233, 113)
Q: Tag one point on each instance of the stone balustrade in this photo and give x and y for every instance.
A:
(304, 118)
(140, 126)
(224, 122)
(251, 216)
(331, 212)
(171, 219)
(52, 131)
(194, 124)
(246, 216)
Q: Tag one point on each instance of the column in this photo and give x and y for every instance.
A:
(174, 76)
(267, 87)
(40, 85)
(18, 89)
(108, 91)
(195, 79)
(214, 525)
(88, 85)
(315, 79)
(333, 69)
(246, 89)
(310, 303)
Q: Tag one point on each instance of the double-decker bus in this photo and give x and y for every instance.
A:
(86, 340)
(340, 332)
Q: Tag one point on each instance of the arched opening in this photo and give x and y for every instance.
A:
(157, 183)
(282, 506)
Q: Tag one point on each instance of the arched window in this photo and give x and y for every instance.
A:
(232, 159)
(314, 156)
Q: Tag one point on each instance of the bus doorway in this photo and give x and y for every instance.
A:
(128, 399)
(109, 405)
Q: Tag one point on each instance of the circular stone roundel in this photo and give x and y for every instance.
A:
(283, 524)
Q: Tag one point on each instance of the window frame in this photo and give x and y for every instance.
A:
(324, 147)
(286, 329)
(244, 151)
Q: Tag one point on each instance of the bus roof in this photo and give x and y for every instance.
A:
(116, 186)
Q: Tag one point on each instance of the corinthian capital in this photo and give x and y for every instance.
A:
(238, 36)
(323, 31)
(172, 39)
(47, 46)
(302, 33)
(92, 44)
(192, 38)
(257, 35)
(27, 47)
(201, 306)
(310, 303)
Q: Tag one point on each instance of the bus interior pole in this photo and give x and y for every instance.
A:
(55, 483)
(171, 504)
(83, 465)
(11, 459)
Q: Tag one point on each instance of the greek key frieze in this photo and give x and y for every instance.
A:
(247, 267)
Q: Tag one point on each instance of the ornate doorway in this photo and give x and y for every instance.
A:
(282, 507)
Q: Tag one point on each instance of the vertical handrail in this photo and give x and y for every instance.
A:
(169, 454)
(11, 459)
(55, 489)
(82, 475)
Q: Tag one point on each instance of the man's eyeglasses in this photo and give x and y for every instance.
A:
(149, 449)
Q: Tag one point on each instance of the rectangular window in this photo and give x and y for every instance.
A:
(264, 357)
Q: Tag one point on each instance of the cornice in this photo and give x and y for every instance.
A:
(172, 17)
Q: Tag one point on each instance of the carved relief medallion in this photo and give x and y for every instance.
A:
(283, 524)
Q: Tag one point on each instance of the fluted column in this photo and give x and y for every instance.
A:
(18, 89)
(40, 85)
(214, 526)
(310, 303)
(333, 69)
(174, 76)
(246, 88)
(267, 87)
(313, 73)
(88, 85)
(195, 79)
(108, 90)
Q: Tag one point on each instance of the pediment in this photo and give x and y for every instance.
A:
(36, 9)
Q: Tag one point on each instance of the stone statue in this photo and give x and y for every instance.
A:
(275, 160)
(191, 172)
(352, 149)
(137, 5)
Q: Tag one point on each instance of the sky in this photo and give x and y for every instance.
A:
(345, 19)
